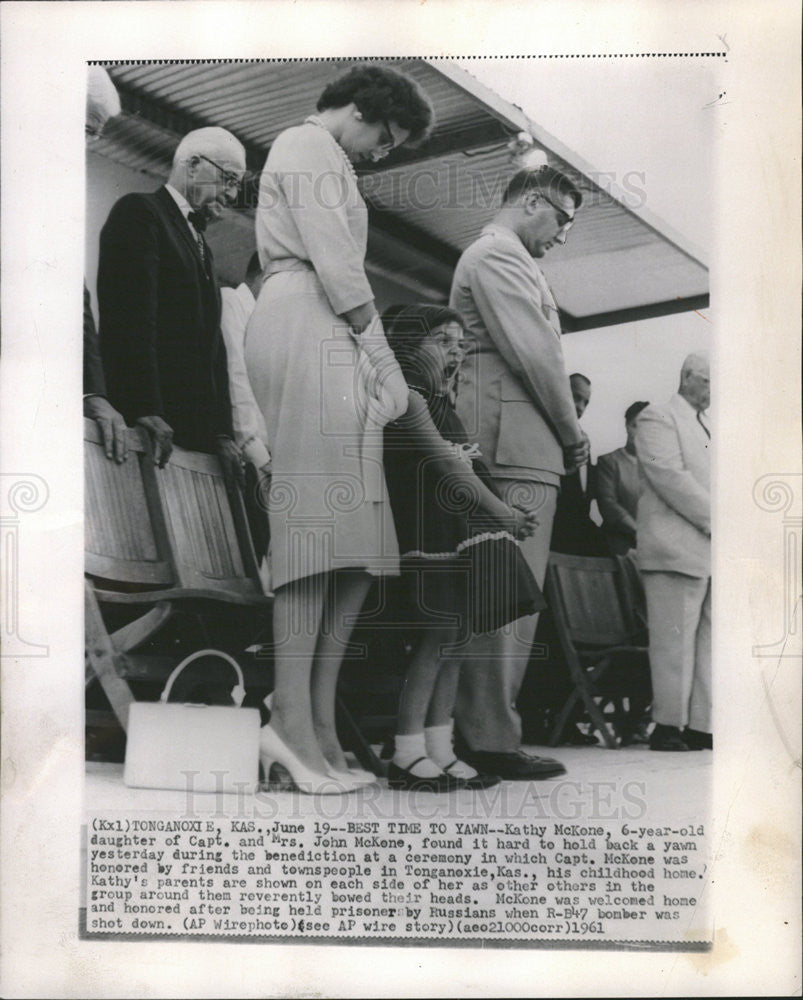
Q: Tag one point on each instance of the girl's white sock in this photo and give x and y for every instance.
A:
(409, 748)
(440, 748)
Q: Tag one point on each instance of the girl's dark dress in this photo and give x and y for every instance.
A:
(460, 564)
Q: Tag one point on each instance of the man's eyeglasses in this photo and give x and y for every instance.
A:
(565, 220)
(230, 179)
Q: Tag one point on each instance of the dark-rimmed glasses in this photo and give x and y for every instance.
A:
(386, 139)
(565, 220)
(229, 177)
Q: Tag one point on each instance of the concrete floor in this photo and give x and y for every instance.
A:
(632, 783)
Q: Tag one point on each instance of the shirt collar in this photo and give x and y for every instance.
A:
(184, 206)
(693, 410)
(496, 227)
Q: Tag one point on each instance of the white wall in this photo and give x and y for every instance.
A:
(629, 362)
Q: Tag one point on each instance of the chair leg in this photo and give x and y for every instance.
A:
(563, 718)
(101, 657)
(610, 734)
(356, 741)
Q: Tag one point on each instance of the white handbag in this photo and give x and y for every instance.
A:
(193, 748)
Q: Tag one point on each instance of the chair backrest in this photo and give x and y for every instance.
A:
(206, 527)
(122, 544)
(589, 595)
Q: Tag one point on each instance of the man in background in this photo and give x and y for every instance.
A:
(515, 401)
(674, 553)
(619, 488)
(573, 531)
(250, 433)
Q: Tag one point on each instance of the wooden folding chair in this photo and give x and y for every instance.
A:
(167, 541)
(159, 541)
(593, 613)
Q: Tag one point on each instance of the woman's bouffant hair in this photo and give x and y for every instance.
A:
(382, 93)
(407, 327)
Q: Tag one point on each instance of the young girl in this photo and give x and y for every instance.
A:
(462, 571)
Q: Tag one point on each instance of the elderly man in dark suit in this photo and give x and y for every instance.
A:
(515, 400)
(159, 301)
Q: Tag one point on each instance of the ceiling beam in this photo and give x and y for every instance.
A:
(573, 324)
(486, 134)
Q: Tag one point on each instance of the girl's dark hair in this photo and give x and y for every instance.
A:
(407, 327)
(382, 93)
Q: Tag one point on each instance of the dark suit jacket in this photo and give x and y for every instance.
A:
(160, 339)
(94, 382)
(573, 531)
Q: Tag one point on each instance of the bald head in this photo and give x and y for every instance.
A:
(208, 166)
(695, 376)
(214, 142)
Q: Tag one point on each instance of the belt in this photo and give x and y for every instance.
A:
(280, 264)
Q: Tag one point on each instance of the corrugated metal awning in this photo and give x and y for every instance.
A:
(427, 204)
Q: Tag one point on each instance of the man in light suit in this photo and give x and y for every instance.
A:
(515, 400)
(674, 553)
(159, 302)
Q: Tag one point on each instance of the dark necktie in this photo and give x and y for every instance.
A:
(199, 224)
(198, 220)
(700, 422)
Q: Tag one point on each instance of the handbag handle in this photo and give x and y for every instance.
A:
(237, 692)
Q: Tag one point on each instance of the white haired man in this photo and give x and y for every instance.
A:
(673, 531)
(159, 300)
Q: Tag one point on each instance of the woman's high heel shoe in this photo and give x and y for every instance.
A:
(273, 749)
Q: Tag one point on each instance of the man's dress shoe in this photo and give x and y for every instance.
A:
(697, 740)
(667, 738)
(514, 765)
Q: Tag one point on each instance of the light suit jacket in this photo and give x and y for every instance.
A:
(674, 513)
(514, 396)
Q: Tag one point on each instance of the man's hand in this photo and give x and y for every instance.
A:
(161, 434)
(112, 426)
(575, 455)
(263, 485)
(231, 459)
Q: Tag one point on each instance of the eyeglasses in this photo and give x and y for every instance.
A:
(386, 139)
(229, 177)
(565, 220)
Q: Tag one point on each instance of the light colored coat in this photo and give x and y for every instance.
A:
(329, 507)
(514, 396)
(674, 512)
